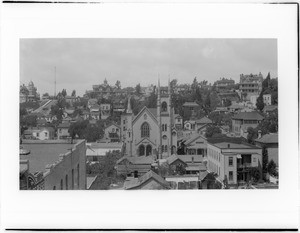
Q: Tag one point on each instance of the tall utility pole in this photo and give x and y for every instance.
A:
(54, 82)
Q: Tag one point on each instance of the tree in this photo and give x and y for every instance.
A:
(74, 93)
(272, 168)
(252, 135)
(29, 121)
(194, 84)
(260, 102)
(265, 159)
(255, 174)
(151, 100)
(212, 130)
(118, 85)
(138, 89)
(64, 92)
(269, 124)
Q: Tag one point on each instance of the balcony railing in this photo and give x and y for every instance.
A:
(244, 165)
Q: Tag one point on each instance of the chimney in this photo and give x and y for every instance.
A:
(259, 134)
(228, 145)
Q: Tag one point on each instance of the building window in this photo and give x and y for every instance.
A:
(124, 128)
(46, 134)
(54, 187)
(230, 161)
(67, 182)
(230, 176)
(164, 107)
(72, 178)
(145, 130)
(61, 184)
(124, 121)
(148, 150)
(141, 150)
(37, 134)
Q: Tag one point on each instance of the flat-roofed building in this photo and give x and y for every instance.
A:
(53, 165)
(95, 152)
(232, 159)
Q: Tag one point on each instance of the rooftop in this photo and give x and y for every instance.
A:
(135, 183)
(268, 138)
(43, 154)
(190, 104)
(204, 120)
(230, 145)
(248, 116)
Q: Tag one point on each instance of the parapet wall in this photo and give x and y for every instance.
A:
(69, 172)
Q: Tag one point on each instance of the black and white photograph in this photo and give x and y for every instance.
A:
(149, 116)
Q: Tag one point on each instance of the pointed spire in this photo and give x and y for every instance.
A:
(129, 110)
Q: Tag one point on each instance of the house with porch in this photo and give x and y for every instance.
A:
(232, 159)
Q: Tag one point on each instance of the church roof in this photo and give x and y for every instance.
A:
(151, 112)
(171, 159)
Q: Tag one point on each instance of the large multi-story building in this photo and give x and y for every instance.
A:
(251, 84)
(53, 165)
(232, 160)
(224, 84)
(152, 131)
(28, 93)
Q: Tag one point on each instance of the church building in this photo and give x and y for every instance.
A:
(152, 131)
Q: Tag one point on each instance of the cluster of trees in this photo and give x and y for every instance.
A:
(269, 86)
(165, 169)
(268, 125)
(85, 130)
(105, 171)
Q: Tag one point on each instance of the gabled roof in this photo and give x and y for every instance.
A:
(269, 108)
(148, 160)
(171, 159)
(112, 123)
(268, 138)
(193, 138)
(248, 116)
(204, 120)
(146, 177)
(141, 112)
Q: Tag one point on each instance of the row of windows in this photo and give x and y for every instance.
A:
(164, 127)
(164, 148)
(67, 180)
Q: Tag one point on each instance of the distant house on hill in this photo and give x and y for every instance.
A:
(242, 121)
(112, 132)
(189, 108)
(63, 130)
(40, 133)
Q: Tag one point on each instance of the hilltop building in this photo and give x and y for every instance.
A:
(251, 84)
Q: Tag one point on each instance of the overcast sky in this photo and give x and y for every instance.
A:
(80, 63)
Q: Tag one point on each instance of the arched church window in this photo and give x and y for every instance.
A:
(148, 150)
(164, 107)
(141, 150)
(145, 130)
